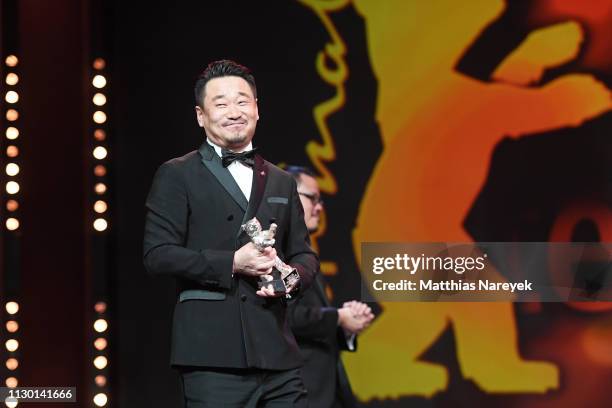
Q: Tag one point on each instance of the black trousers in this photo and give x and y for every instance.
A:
(242, 388)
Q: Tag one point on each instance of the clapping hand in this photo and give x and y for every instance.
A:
(355, 316)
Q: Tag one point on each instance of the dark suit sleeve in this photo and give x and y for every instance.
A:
(313, 323)
(166, 233)
(298, 251)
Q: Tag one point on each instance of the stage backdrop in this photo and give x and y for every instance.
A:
(476, 120)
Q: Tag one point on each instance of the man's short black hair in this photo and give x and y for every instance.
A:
(218, 69)
(297, 171)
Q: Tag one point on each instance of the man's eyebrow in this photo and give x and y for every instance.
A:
(223, 96)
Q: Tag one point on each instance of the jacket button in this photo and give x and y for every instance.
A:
(243, 298)
(230, 217)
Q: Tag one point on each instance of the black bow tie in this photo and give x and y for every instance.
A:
(247, 158)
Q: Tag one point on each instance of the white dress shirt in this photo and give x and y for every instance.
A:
(242, 173)
(350, 340)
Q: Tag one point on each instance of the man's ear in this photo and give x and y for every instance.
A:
(256, 109)
(199, 116)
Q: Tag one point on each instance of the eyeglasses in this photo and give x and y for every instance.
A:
(314, 199)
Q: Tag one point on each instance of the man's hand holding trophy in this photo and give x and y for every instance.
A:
(283, 278)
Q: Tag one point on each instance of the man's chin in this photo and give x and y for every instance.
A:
(238, 139)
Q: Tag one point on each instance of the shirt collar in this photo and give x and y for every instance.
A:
(218, 148)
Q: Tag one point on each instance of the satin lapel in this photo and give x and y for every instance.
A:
(260, 176)
(213, 162)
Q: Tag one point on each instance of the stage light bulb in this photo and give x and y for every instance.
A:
(99, 135)
(10, 403)
(100, 307)
(100, 362)
(11, 61)
(100, 399)
(11, 97)
(12, 133)
(12, 326)
(12, 187)
(100, 325)
(11, 382)
(99, 99)
(11, 345)
(100, 380)
(12, 79)
(12, 169)
(12, 115)
(100, 343)
(12, 224)
(100, 170)
(100, 188)
(100, 224)
(100, 206)
(12, 364)
(99, 81)
(12, 151)
(100, 152)
(12, 205)
(99, 64)
(12, 308)
(99, 117)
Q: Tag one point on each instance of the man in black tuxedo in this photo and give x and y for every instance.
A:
(230, 339)
(320, 329)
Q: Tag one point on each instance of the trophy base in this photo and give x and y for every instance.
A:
(280, 282)
(275, 279)
(278, 285)
(291, 279)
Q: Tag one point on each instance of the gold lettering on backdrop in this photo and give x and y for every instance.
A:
(320, 153)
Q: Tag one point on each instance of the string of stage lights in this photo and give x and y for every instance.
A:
(100, 226)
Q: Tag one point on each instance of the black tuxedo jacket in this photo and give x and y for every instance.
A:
(192, 229)
(315, 325)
